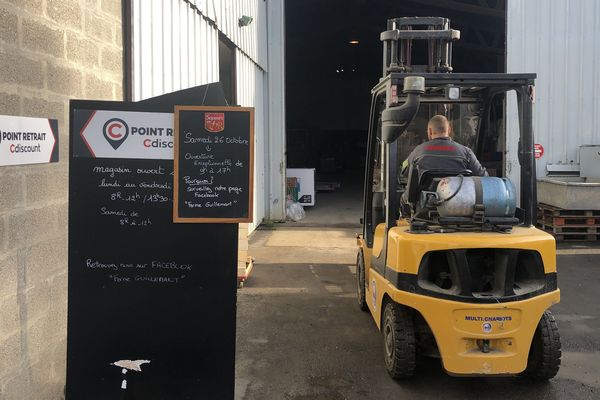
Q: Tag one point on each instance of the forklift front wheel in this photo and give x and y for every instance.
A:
(544, 356)
(399, 341)
(360, 281)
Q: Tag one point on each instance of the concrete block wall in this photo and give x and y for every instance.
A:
(50, 51)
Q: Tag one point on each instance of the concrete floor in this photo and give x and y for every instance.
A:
(341, 208)
(301, 335)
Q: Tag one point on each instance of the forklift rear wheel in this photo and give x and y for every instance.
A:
(399, 341)
(544, 356)
(360, 281)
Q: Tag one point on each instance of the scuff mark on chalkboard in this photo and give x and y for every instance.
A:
(129, 365)
(133, 365)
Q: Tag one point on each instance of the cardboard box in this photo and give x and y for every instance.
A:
(291, 188)
(305, 184)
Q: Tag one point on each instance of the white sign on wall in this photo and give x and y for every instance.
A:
(129, 134)
(25, 140)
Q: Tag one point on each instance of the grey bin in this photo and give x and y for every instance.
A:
(569, 193)
(589, 159)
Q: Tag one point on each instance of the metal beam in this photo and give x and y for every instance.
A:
(464, 7)
(476, 47)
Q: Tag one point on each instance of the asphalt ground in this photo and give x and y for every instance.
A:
(301, 336)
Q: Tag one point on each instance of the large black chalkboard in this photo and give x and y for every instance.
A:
(214, 155)
(141, 287)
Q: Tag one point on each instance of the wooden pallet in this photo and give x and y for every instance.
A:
(569, 221)
(558, 225)
(569, 224)
(575, 230)
(244, 274)
(576, 237)
(546, 209)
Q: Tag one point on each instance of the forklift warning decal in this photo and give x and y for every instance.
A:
(374, 291)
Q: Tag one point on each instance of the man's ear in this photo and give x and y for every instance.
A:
(429, 133)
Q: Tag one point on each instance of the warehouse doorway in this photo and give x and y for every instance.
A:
(227, 68)
(333, 59)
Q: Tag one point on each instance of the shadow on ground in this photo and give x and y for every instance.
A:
(301, 335)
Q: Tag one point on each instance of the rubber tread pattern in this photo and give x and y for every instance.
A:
(404, 361)
(360, 282)
(544, 357)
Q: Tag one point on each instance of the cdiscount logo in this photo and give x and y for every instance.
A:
(128, 134)
(115, 131)
(158, 143)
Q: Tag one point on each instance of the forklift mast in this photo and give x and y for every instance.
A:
(398, 44)
(441, 86)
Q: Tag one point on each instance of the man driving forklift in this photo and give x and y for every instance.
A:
(441, 152)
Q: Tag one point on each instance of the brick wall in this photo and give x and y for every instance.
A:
(50, 51)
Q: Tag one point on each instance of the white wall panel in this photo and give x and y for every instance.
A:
(174, 48)
(560, 41)
(275, 111)
(250, 93)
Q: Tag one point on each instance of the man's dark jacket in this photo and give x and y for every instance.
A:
(444, 153)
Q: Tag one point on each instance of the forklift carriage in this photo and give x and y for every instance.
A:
(448, 264)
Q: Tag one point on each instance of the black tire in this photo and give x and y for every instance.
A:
(544, 356)
(360, 282)
(399, 346)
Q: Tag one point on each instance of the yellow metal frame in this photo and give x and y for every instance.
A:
(457, 326)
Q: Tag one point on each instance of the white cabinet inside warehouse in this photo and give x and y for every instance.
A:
(559, 41)
(177, 44)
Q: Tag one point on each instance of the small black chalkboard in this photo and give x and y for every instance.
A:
(214, 156)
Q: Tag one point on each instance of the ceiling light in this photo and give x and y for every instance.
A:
(354, 41)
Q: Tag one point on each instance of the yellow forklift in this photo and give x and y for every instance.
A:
(450, 265)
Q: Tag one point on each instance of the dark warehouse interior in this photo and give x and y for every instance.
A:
(334, 58)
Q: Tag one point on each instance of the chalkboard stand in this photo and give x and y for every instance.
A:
(161, 292)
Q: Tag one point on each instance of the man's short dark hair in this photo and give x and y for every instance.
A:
(439, 124)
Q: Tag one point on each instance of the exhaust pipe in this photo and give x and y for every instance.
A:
(395, 120)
